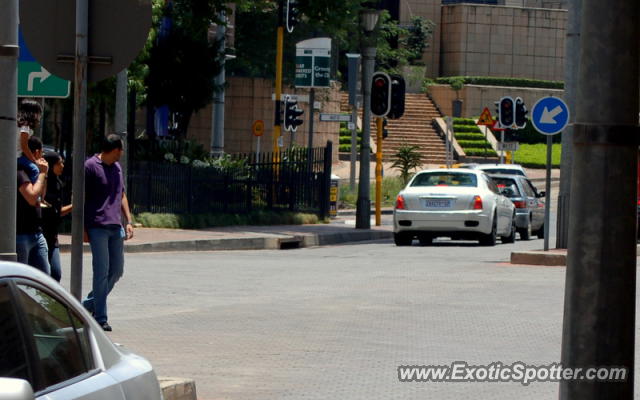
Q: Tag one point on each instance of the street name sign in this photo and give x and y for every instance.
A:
(508, 146)
(550, 115)
(35, 81)
(313, 63)
(327, 117)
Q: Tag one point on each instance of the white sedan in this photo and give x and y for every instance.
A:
(51, 348)
(456, 203)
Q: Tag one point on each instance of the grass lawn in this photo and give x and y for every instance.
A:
(535, 155)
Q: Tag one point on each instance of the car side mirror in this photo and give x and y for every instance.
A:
(15, 389)
(542, 194)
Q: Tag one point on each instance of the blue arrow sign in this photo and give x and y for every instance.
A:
(550, 115)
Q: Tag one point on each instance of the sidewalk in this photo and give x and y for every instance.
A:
(245, 237)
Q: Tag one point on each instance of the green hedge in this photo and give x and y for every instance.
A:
(473, 143)
(480, 152)
(502, 81)
(464, 121)
(347, 140)
(469, 136)
(466, 128)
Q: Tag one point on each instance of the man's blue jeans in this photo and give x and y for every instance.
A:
(107, 251)
(32, 249)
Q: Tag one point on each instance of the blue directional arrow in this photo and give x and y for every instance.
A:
(550, 115)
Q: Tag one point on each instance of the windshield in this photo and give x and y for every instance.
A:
(503, 171)
(445, 179)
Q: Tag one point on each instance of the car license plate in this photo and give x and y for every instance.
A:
(437, 203)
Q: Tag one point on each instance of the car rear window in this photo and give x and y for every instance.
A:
(509, 184)
(445, 179)
(503, 171)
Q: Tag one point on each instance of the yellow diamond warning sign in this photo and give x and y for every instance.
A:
(485, 118)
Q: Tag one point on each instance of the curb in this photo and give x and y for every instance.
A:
(539, 258)
(177, 388)
(276, 242)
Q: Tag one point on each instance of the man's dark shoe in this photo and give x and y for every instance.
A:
(106, 327)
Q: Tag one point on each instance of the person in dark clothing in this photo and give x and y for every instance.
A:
(52, 216)
(31, 247)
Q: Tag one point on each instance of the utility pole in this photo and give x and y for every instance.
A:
(121, 117)
(217, 137)
(9, 51)
(600, 295)
(363, 206)
(571, 68)
(277, 129)
(79, 143)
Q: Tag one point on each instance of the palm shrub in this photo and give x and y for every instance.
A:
(406, 159)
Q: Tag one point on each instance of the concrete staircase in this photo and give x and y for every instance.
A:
(414, 128)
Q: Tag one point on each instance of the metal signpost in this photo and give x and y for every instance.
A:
(549, 116)
(328, 117)
(35, 81)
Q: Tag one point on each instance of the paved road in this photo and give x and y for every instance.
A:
(336, 322)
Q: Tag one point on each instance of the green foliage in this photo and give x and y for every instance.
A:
(464, 121)
(417, 40)
(468, 136)
(406, 159)
(391, 186)
(200, 221)
(182, 62)
(466, 128)
(502, 81)
(481, 152)
(535, 155)
(456, 83)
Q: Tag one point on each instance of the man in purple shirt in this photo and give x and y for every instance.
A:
(105, 205)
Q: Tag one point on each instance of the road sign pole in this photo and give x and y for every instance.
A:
(547, 207)
(378, 171)
(8, 127)
(79, 144)
(502, 146)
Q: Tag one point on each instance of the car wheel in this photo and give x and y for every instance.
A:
(540, 232)
(490, 238)
(425, 240)
(402, 239)
(512, 235)
(525, 234)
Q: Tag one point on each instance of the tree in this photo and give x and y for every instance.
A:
(417, 40)
(182, 61)
(406, 159)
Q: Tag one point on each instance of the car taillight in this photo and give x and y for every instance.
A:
(477, 203)
(400, 203)
(520, 204)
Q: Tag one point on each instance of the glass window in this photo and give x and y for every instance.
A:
(13, 360)
(507, 183)
(445, 179)
(528, 189)
(59, 336)
(503, 171)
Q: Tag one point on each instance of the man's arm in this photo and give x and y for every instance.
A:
(127, 215)
(32, 191)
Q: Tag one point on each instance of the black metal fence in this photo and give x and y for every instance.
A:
(295, 180)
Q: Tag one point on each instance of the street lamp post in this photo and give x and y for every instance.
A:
(363, 207)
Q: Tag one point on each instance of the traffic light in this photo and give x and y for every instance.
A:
(397, 97)
(521, 113)
(385, 131)
(505, 116)
(292, 14)
(380, 94)
(291, 114)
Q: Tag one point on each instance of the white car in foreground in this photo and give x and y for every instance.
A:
(51, 348)
(456, 203)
